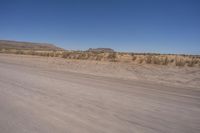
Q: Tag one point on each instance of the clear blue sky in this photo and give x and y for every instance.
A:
(166, 26)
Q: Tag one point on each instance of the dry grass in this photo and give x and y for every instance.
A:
(144, 58)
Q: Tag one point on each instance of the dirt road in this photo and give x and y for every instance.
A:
(43, 100)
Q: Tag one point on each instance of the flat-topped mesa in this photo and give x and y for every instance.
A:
(109, 50)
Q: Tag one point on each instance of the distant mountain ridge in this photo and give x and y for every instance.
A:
(18, 45)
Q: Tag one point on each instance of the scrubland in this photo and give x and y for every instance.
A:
(137, 58)
(82, 91)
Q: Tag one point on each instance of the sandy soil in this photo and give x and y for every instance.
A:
(165, 75)
(53, 95)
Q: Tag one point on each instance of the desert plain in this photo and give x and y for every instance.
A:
(57, 95)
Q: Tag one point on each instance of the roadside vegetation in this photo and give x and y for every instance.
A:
(139, 58)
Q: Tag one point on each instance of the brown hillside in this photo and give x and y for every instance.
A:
(5, 44)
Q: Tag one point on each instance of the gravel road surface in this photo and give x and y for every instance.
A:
(43, 100)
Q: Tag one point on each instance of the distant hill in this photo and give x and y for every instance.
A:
(100, 50)
(7, 44)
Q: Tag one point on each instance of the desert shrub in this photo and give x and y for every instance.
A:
(165, 60)
(78, 56)
(134, 57)
(85, 55)
(179, 62)
(47, 54)
(90, 55)
(171, 60)
(112, 57)
(19, 52)
(65, 55)
(140, 60)
(2, 50)
(190, 63)
(99, 57)
(31, 53)
(40, 54)
(43, 54)
(81, 56)
(155, 60)
(148, 59)
(56, 54)
(193, 62)
(51, 54)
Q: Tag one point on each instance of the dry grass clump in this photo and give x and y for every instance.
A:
(134, 57)
(157, 59)
(193, 61)
(112, 57)
(140, 60)
(148, 59)
(180, 61)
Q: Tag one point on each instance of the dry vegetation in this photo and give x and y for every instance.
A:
(99, 54)
(158, 59)
(143, 58)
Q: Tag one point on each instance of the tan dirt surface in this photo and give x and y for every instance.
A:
(53, 95)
